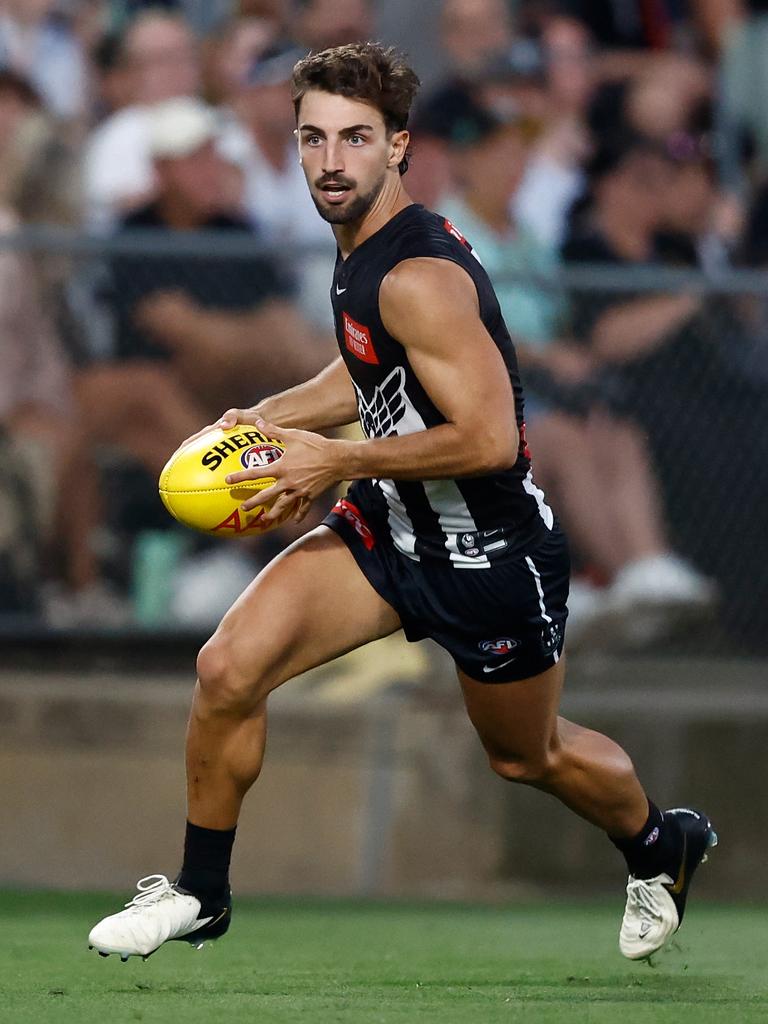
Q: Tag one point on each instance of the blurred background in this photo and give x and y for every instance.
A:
(161, 260)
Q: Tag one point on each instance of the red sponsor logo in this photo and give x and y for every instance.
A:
(357, 338)
(453, 230)
(354, 516)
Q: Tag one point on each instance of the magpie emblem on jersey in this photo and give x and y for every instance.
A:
(260, 456)
(380, 414)
(503, 645)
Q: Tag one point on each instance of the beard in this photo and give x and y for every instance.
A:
(351, 212)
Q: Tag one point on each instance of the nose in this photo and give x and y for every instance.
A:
(333, 160)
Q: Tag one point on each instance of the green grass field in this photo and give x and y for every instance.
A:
(322, 963)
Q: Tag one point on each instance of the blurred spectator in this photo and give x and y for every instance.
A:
(657, 361)
(194, 335)
(743, 92)
(276, 197)
(322, 23)
(473, 33)
(554, 176)
(662, 98)
(56, 494)
(36, 43)
(629, 24)
(233, 51)
(622, 536)
(490, 157)
(18, 100)
(111, 76)
(159, 56)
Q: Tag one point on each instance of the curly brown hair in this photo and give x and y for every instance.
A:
(375, 74)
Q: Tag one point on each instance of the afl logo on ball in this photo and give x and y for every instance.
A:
(260, 456)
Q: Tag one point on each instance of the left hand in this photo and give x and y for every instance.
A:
(310, 465)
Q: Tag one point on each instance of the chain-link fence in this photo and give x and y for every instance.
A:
(647, 417)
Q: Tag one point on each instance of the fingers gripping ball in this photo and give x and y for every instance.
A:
(194, 489)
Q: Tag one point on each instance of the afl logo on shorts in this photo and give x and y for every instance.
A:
(260, 456)
(501, 646)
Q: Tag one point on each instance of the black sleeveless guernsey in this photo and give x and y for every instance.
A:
(468, 522)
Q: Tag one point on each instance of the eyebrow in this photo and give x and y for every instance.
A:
(344, 131)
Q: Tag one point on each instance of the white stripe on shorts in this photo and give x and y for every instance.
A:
(547, 618)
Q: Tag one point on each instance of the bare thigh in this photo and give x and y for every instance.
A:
(307, 607)
(516, 722)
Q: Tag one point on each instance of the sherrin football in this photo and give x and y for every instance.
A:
(193, 483)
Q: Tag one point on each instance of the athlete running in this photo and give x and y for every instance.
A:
(443, 532)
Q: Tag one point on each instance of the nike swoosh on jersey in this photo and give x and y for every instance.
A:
(340, 291)
(495, 668)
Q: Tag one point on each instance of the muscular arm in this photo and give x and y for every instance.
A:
(328, 400)
(430, 306)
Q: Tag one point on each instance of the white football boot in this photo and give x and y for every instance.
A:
(160, 912)
(655, 906)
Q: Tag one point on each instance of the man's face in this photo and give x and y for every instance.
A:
(162, 61)
(198, 179)
(346, 154)
(494, 167)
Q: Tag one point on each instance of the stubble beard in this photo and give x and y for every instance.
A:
(356, 210)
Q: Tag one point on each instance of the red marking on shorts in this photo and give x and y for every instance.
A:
(355, 517)
(358, 340)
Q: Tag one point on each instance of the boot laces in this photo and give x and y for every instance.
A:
(151, 889)
(642, 900)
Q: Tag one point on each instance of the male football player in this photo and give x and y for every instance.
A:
(443, 532)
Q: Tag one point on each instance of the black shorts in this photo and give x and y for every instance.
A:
(499, 624)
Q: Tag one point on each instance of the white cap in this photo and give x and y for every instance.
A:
(179, 126)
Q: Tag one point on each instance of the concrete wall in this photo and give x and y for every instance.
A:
(387, 795)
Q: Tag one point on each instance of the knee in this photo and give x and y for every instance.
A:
(534, 769)
(224, 684)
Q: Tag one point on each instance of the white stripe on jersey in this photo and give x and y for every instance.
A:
(400, 525)
(536, 492)
(391, 411)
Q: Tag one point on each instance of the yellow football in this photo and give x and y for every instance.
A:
(193, 483)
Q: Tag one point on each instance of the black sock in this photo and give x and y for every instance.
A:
(205, 870)
(655, 848)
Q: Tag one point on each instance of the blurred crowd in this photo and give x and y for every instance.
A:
(551, 133)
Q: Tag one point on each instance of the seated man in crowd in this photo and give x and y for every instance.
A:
(578, 453)
(193, 332)
(663, 359)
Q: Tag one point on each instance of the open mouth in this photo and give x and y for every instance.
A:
(334, 191)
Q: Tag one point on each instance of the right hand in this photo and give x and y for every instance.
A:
(226, 421)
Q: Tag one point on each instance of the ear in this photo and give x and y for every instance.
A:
(298, 145)
(398, 146)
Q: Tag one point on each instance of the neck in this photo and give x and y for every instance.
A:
(177, 214)
(389, 202)
(631, 239)
(495, 215)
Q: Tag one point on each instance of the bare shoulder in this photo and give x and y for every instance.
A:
(426, 288)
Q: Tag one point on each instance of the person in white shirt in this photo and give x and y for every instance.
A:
(161, 61)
